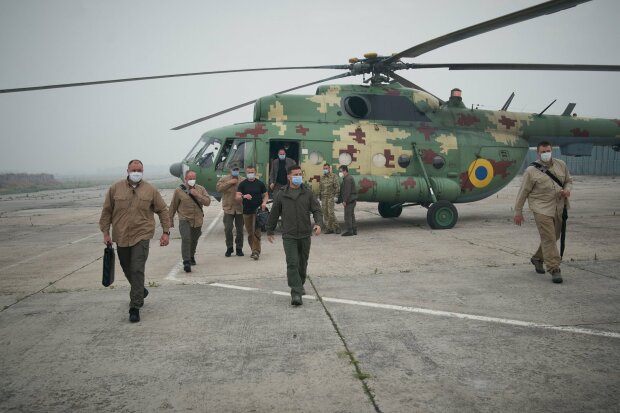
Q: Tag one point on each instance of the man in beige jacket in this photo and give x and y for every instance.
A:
(546, 199)
(233, 211)
(188, 200)
(128, 207)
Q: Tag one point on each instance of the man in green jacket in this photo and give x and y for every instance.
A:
(294, 203)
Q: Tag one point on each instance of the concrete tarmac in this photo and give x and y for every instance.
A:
(400, 318)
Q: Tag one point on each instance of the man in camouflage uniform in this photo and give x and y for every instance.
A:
(329, 188)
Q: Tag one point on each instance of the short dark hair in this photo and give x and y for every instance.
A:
(292, 168)
(344, 168)
(327, 165)
(135, 160)
(543, 143)
(250, 167)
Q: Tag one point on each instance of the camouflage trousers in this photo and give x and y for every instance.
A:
(329, 216)
(549, 229)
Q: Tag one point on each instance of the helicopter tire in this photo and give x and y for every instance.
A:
(386, 210)
(442, 215)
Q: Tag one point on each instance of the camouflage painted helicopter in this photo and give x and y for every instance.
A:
(403, 145)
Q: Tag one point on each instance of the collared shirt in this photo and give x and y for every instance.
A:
(186, 207)
(130, 212)
(227, 186)
(542, 192)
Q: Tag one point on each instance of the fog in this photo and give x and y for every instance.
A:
(92, 129)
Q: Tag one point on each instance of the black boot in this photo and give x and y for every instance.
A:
(134, 315)
(229, 252)
(239, 252)
(192, 261)
(187, 266)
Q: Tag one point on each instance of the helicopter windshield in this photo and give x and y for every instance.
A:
(204, 152)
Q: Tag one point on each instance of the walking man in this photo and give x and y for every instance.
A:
(348, 197)
(253, 193)
(329, 187)
(233, 212)
(547, 200)
(129, 207)
(294, 204)
(188, 200)
(278, 172)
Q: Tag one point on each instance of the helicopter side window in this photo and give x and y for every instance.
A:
(221, 160)
(241, 154)
(383, 107)
(357, 106)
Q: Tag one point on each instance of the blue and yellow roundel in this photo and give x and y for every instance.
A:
(480, 173)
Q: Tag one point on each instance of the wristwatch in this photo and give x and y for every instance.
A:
(167, 232)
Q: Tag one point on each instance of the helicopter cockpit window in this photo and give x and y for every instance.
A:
(204, 152)
(241, 154)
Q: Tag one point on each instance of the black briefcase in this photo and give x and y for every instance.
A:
(108, 266)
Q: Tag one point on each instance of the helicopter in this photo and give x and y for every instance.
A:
(403, 145)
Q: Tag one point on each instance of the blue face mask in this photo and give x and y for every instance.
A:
(282, 157)
(235, 173)
(297, 180)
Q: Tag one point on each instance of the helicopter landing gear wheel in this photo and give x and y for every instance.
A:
(442, 215)
(387, 211)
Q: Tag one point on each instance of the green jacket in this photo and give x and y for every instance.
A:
(295, 207)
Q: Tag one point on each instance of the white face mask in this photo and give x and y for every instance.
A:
(545, 156)
(135, 177)
(191, 182)
(251, 175)
(340, 174)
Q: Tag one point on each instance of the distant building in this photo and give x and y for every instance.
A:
(603, 162)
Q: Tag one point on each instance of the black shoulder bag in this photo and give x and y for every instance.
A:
(186, 190)
(544, 169)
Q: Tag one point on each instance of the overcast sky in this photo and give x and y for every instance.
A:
(94, 128)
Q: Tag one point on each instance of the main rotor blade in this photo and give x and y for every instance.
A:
(133, 79)
(412, 85)
(252, 101)
(549, 7)
(516, 66)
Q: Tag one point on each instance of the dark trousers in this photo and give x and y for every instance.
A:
(297, 252)
(133, 261)
(237, 221)
(349, 217)
(189, 239)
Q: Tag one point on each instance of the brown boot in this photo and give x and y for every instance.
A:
(556, 276)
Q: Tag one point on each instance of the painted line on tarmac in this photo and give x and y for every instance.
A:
(49, 251)
(172, 275)
(439, 313)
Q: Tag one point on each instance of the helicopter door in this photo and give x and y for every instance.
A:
(291, 148)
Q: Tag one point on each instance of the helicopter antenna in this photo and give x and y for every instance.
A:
(545, 109)
(505, 107)
(569, 109)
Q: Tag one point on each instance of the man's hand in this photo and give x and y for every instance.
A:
(270, 238)
(247, 196)
(565, 193)
(344, 204)
(107, 240)
(271, 186)
(519, 219)
(194, 191)
(317, 229)
(263, 206)
(164, 240)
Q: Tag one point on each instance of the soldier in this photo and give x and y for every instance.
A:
(188, 200)
(278, 173)
(253, 193)
(294, 204)
(348, 197)
(547, 200)
(329, 188)
(233, 212)
(129, 206)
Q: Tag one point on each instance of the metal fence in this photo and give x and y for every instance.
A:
(603, 162)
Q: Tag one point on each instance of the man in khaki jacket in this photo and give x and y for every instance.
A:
(546, 199)
(233, 211)
(188, 200)
(128, 207)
